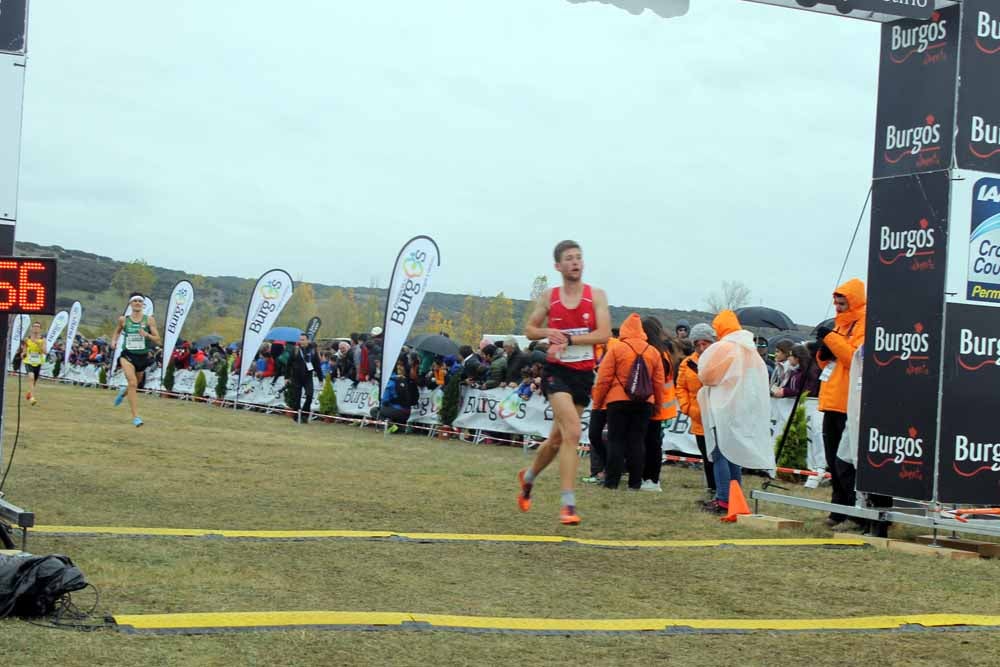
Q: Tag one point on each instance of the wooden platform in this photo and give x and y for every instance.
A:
(984, 549)
(904, 546)
(768, 522)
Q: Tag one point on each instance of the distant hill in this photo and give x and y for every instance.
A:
(222, 300)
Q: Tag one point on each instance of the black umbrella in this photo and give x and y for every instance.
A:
(829, 324)
(207, 341)
(760, 316)
(437, 344)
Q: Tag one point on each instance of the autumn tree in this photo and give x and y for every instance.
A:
(437, 323)
(300, 308)
(499, 315)
(470, 324)
(136, 276)
(734, 294)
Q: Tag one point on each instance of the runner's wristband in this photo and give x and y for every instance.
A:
(569, 340)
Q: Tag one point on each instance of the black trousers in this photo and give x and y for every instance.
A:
(627, 425)
(706, 465)
(653, 451)
(297, 402)
(598, 449)
(392, 414)
(842, 473)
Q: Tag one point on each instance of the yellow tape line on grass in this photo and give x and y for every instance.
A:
(292, 619)
(443, 537)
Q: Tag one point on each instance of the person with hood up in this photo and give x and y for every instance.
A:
(735, 408)
(688, 386)
(836, 350)
(627, 419)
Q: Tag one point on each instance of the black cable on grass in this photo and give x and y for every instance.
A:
(67, 616)
(17, 433)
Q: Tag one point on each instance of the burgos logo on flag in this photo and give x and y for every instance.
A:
(984, 242)
(181, 296)
(413, 269)
(271, 290)
(413, 265)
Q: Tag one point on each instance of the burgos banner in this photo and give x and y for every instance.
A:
(270, 294)
(181, 300)
(984, 242)
(410, 277)
(56, 328)
(75, 315)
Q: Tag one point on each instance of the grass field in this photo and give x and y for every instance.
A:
(81, 463)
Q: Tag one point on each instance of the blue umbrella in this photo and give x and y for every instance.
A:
(285, 334)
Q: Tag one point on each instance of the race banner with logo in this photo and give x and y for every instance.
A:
(918, 69)
(978, 131)
(13, 25)
(356, 399)
(313, 328)
(55, 328)
(147, 310)
(969, 463)
(18, 330)
(410, 276)
(984, 242)
(903, 335)
(270, 295)
(181, 301)
(75, 315)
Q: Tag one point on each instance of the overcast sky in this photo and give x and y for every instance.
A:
(228, 138)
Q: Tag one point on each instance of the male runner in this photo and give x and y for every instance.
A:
(139, 330)
(33, 351)
(578, 319)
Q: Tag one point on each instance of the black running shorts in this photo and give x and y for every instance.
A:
(558, 379)
(139, 361)
(34, 370)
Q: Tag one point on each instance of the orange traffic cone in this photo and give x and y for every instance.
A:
(737, 503)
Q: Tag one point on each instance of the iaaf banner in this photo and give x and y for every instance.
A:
(978, 131)
(313, 328)
(75, 315)
(13, 25)
(410, 276)
(984, 242)
(903, 335)
(180, 304)
(55, 328)
(270, 295)
(918, 69)
(147, 310)
(969, 462)
(18, 330)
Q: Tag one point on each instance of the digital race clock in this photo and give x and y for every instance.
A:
(27, 285)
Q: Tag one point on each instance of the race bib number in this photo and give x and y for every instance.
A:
(34, 359)
(135, 342)
(309, 367)
(573, 353)
(828, 371)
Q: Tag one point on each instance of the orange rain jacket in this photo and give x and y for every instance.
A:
(688, 385)
(614, 370)
(668, 408)
(848, 335)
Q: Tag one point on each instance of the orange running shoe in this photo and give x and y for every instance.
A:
(524, 497)
(568, 516)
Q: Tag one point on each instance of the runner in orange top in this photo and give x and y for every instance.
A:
(577, 319)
